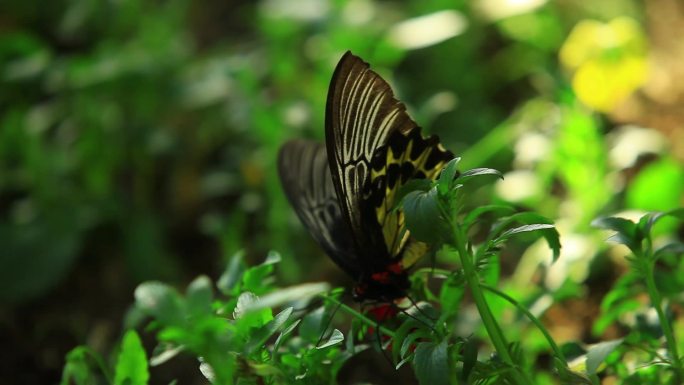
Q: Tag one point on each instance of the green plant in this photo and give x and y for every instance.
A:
(656, 270)
(252, 331)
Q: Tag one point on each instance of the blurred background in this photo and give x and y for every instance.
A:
(138, 140)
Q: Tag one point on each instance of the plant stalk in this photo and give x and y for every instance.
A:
(657, 300)
(492, 327)
(369, 322)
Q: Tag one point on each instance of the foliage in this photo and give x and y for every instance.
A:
(234, 337)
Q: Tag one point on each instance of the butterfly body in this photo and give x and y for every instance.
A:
(345, 191)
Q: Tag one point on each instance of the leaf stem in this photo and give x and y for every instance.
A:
(492, 327)
(557, 351)
(657, 300)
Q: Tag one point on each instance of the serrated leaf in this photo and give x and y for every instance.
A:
(131, 367)
(245, 301)
(598, 353)
(335, 338)
(431, 363)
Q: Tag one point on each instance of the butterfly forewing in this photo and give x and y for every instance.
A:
(305, 175)
(361, 114)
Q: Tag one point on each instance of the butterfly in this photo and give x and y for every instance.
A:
(345, 191)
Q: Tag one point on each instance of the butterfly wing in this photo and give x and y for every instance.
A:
(404, 157)
(374, 148)
(361, 113)
(305, 175)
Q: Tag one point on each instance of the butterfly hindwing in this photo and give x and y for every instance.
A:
(404, 157)
(305, 175)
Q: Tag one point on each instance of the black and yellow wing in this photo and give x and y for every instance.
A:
(374, 148)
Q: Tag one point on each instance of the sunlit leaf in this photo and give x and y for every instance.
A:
(598, 353)
(131, 367)
(335, 338)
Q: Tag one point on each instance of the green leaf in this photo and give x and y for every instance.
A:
(77, 370)
(498, 210)
(548, 231)
(650, 219)
(469, 358)
(199, 296)
(431, 363)
(311, 325)
(550, 234)
(423, 216)
(446, 178)
(283, 335)
(258, 278)
(524, 229)
(412, 185)
(250, 313)
(286, 295)
(451, 294)
(475, 178)
(335, 338)
(400, 335)
(480, 172)
(598, 353)
(674, 248)
(161, 302)
(231, 276)
(131, 368)
(259, 337)
(408, 345)
(626, 231)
